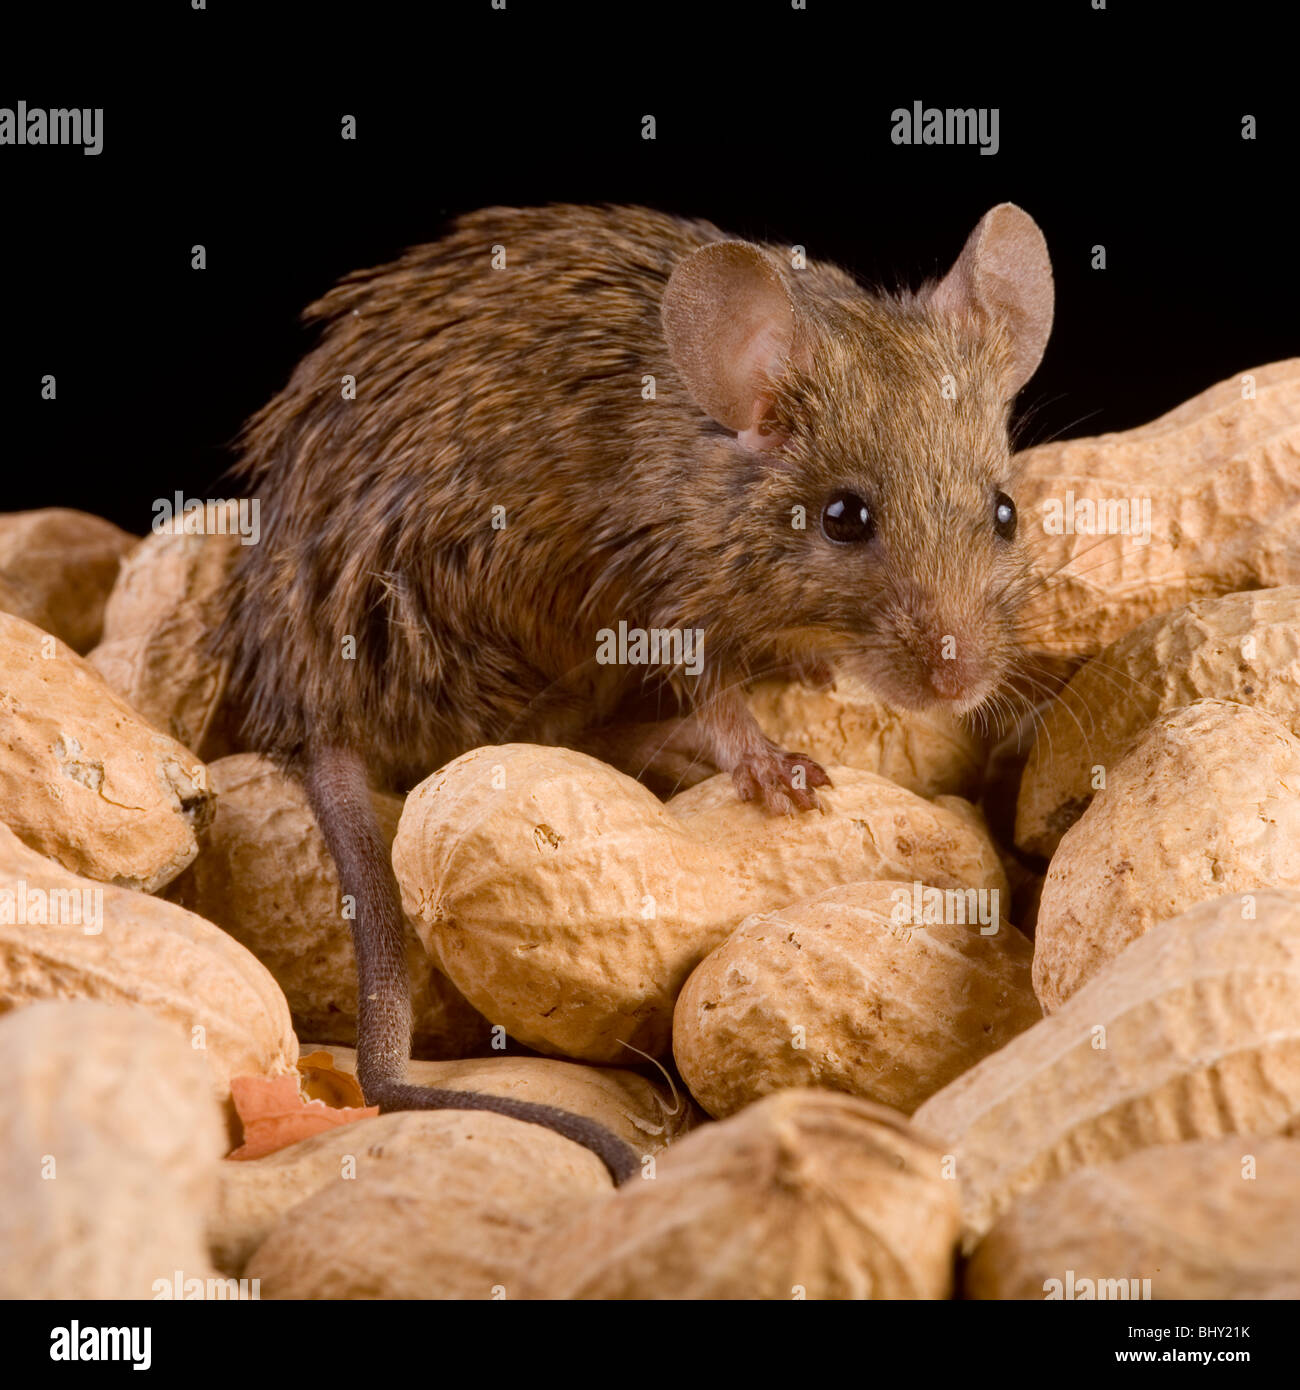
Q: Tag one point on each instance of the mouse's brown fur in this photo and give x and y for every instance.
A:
(522, 388)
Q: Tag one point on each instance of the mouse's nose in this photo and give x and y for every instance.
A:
(947, 680)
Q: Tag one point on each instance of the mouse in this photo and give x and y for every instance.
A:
(561, 422)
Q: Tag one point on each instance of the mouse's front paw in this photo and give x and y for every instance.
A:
(783, 782)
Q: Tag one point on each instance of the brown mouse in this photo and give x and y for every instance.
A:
(567, 418)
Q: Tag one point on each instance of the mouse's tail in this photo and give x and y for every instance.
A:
(339, 792)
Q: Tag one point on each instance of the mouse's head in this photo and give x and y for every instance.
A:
(876, 501)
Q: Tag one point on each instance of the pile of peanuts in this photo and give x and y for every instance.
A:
(846, 1073)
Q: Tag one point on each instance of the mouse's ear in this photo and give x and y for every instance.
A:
(729, 324)
(1004, 272)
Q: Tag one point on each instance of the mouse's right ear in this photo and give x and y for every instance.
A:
(729, 324)
(1005, 273)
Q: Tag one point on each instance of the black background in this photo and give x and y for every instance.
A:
(948, 1341)
(1120, 127)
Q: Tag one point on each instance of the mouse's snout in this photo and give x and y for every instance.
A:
(936, 653)
(947, 663)
(947, 681)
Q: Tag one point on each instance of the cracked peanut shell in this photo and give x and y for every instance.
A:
(83, 778)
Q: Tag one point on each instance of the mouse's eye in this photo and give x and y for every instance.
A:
(846, 518)
(1004, 517)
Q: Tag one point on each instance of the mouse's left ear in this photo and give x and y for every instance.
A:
(1004, 272)
(730, 325)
